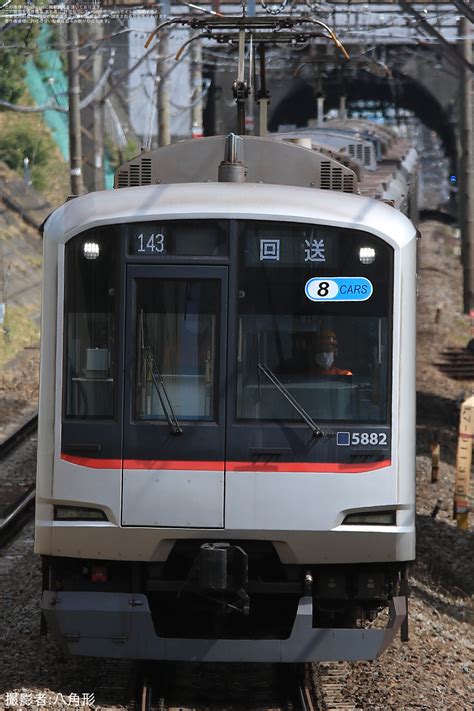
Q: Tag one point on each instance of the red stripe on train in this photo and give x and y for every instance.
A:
(92, 463)
(331, 467)
(170, 465)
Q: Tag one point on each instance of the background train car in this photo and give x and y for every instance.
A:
(210, 487)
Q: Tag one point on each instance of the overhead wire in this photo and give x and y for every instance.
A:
(199, 99)
(54, 107)
(374, 26)
(353, 31)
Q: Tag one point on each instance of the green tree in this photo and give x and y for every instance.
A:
(15, 44)
(23, 140)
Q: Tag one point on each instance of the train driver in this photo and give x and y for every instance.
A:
(325, 349)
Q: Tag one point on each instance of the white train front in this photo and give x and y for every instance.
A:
(227, 409)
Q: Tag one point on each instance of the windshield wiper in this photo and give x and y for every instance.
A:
(317, 431)
(158, 382)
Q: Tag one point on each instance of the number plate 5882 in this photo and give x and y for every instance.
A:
(366, 439)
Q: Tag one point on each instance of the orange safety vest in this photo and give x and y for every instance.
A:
(335, 371)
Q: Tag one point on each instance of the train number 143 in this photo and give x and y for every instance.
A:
(151, 244)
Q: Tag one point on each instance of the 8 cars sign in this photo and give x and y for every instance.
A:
(339, 289)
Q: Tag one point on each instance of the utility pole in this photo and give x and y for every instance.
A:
(93, 115)
(98, 113)
(342, 107)
(262, 95)
(164, 138)
(163, 98)
(320, 112)
(75, 143)
(466, 182)
(196, 90)
(319, 101)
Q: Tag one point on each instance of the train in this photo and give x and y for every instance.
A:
(226, 447)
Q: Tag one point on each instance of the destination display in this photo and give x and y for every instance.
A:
(311, 248)
(320, 252)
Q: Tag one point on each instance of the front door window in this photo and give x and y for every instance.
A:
(176, 338)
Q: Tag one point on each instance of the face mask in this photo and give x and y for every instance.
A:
(325, 360)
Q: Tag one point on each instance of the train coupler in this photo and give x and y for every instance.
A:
(223, 568)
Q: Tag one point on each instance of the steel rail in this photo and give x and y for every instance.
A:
(21, 433)
(9, 523)
(294, 690)
(305, 697)
(20, 507)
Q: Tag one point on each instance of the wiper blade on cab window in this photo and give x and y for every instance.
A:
(158, 382)
(317, 431)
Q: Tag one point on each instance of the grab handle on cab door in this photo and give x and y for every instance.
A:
(72, 447)
(269, 452)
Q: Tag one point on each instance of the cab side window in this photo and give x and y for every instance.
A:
(91, 278)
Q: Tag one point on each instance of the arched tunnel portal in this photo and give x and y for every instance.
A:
(399, 91)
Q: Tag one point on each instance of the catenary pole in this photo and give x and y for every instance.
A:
(75, 143)
(164, 138)
(98, 113)
(196, 89)
(163, 97)
(466, 182)
(92, 124)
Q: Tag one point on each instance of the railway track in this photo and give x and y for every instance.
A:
(188, 687)
(457, 363)
(17, 501)
(260, 687)
(26, 428)
(17, 516)
(296, 687)
(329, 684)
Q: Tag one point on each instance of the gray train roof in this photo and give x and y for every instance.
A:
(231, 201)
(266, 161)
(337, 140)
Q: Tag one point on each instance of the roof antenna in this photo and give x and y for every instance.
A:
(232, 168)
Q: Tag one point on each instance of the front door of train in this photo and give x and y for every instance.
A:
(174, 416)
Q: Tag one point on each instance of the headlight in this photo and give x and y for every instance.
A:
(90, 250)
(78, 513)
(367, 255)
(371, 518)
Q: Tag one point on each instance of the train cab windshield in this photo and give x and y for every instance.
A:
(288, 319)
(314, 309)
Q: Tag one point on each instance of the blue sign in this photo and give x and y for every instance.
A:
(343, 439)
(339, 289)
